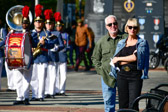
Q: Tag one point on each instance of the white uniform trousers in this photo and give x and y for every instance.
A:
(1, 65)
(39, 73)
(61, 77)
(50, 79)
(10, 77)
(22, 81)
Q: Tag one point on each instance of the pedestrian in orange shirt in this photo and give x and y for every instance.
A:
(81, 40)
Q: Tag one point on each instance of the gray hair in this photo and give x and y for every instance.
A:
(110, 16)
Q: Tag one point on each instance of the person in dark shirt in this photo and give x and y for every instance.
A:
(3, 33)
(131, 56)
(90, 50)
(71, 31)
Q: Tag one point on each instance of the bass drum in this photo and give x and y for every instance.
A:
(18, 51)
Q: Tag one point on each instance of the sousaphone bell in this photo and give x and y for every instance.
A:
(14, 17)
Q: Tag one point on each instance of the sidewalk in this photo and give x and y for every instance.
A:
(75, 101)
(83, 94)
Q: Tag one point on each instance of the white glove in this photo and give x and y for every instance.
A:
(55, 49)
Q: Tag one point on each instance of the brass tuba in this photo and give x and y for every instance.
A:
(14, 17)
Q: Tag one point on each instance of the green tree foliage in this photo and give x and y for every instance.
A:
(78, 10)
(49, 4)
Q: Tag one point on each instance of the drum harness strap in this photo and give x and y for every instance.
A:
(1, 37)
(1, 32)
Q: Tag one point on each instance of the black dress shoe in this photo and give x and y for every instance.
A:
(41, 99)
(26, 102)
(52, 96)
(18, 102)
(34, 99)
(48, 96)
(76, 69)
(10, 90)
(56, 94)
(87, 68)
(62, 94)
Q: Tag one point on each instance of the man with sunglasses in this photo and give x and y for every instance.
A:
(104, 49)
(40, 42)
(56, 38)
(62, 63)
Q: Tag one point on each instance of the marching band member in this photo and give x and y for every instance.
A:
(22, 76)
(40, 55)
(3, 34)
(62, 64)
(52, 53)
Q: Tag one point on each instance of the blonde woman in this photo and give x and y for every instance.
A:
(132, 57)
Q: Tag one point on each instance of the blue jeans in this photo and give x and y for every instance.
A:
(109, 95)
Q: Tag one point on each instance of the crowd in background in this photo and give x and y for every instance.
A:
(82, 42)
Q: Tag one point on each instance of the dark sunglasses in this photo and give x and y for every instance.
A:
(49, 23)
(39, 21)
(110, 24)
(134, 27)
